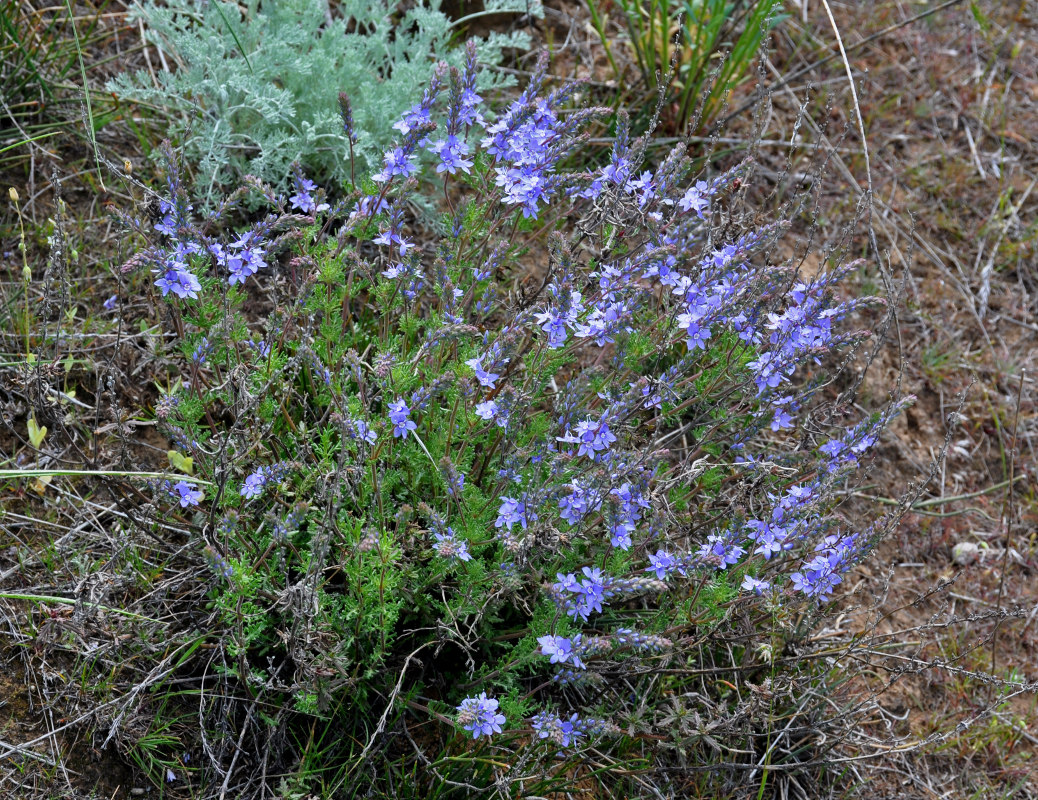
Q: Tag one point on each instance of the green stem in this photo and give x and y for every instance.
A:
(68, 601)
(94, 473)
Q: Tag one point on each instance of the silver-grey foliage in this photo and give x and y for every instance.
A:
(253, 87)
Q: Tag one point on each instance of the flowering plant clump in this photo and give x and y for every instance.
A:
(522, 474)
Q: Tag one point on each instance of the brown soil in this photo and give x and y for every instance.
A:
(42, 754)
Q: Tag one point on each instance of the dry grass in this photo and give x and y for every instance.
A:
(948, 105)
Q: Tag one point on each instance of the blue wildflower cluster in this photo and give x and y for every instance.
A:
(303, 200)
(447, 544)
(218, 563)
(242, 258)
(567, 733)
(480, 716)
(257, 481)
(187, 249)
(629, 420)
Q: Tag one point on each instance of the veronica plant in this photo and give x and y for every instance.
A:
(518, 513)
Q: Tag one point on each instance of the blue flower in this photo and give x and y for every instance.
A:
(782, 418)
(549, 725)
(201, 352)
(751, 584)
(588, 593)
(187, 494)
(363, 432)
(302, 199)
(643, 187)
(582, 501)
(560, 650)
(178, 280)
(242, 257)
(452, 152)
(696, 334)
(414, 118)
(512, 512)
(370, 206)
(486, 410)
(174, 216)
(590, 437)
(564, 313)
(390, 237)
(467, 114)
(402, 425)
(606, 320)
(721, 550)
(695, 199)
(450, 547)
(771, 538)
(396, 162)
(485, 377)
(821, 574)
(662, 563)
(253, 485)
(479, 715)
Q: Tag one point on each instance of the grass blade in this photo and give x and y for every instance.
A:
(86, 95)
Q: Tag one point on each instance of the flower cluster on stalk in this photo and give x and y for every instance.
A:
(480, 716)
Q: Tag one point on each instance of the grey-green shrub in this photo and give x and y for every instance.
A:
(256, 85)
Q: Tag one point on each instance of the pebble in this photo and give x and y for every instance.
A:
(965, 553)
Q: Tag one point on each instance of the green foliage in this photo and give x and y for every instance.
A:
(711, 42)
(257, 84)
